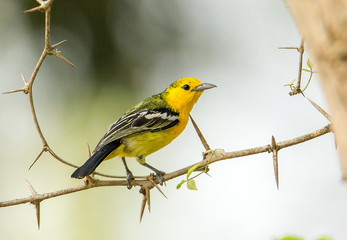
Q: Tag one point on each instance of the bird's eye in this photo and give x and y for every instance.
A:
(186, 87)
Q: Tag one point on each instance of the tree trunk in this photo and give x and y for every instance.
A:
(323, 24)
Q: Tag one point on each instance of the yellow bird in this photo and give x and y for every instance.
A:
(147, 127)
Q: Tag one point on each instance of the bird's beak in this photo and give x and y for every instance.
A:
(204, 86)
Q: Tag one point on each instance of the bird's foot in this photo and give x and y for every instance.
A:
(129, 178)
(159, 175)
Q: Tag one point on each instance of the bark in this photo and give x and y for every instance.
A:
(323, 24)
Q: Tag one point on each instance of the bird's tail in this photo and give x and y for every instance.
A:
(93, 162)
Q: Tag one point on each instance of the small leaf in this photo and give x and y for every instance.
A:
(325, 238)
(310, 63)
(191, 184)
(306, 70)
(192, 169)
(180, 184)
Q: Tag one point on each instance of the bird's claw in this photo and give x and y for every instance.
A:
(159, 175)
(129, 178)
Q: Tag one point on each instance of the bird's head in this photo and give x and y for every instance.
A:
(183, 93)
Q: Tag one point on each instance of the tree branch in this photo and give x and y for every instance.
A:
(210, 158)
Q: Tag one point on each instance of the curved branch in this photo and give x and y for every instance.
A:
(49, 49)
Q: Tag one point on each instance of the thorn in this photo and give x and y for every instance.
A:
(31, 188)
(37, 158)
(157, 187)
(148, 193)
(201, 136)
(37, 207)
(297, 48)
(143, 204)
(300, 49)
(59, 43)
(17, 90)
(58, 55)
(23, 79)
(321, 110)
(331, 129)
(275, 149)
(44, 5)
(36, 203)
(24, 89)
(39, 8)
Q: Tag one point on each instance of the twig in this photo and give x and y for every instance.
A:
(301, 50)
(201, 136)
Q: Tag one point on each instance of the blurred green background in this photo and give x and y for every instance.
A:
(128, 50)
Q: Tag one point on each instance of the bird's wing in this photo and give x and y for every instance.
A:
(138, 122)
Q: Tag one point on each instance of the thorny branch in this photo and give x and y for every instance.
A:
(217, 155)
(45, 6)
(146, 183)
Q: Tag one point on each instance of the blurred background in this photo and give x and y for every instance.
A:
(128, 50)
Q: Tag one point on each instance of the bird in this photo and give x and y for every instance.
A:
(147, 127)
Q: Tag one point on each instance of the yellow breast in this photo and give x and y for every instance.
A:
(146, 143)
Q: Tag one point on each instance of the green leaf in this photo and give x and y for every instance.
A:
(180, 184)
(191, 184)
(325, 238)
(310, 63)
(290, 238)
(306, 70)
(192, 169)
